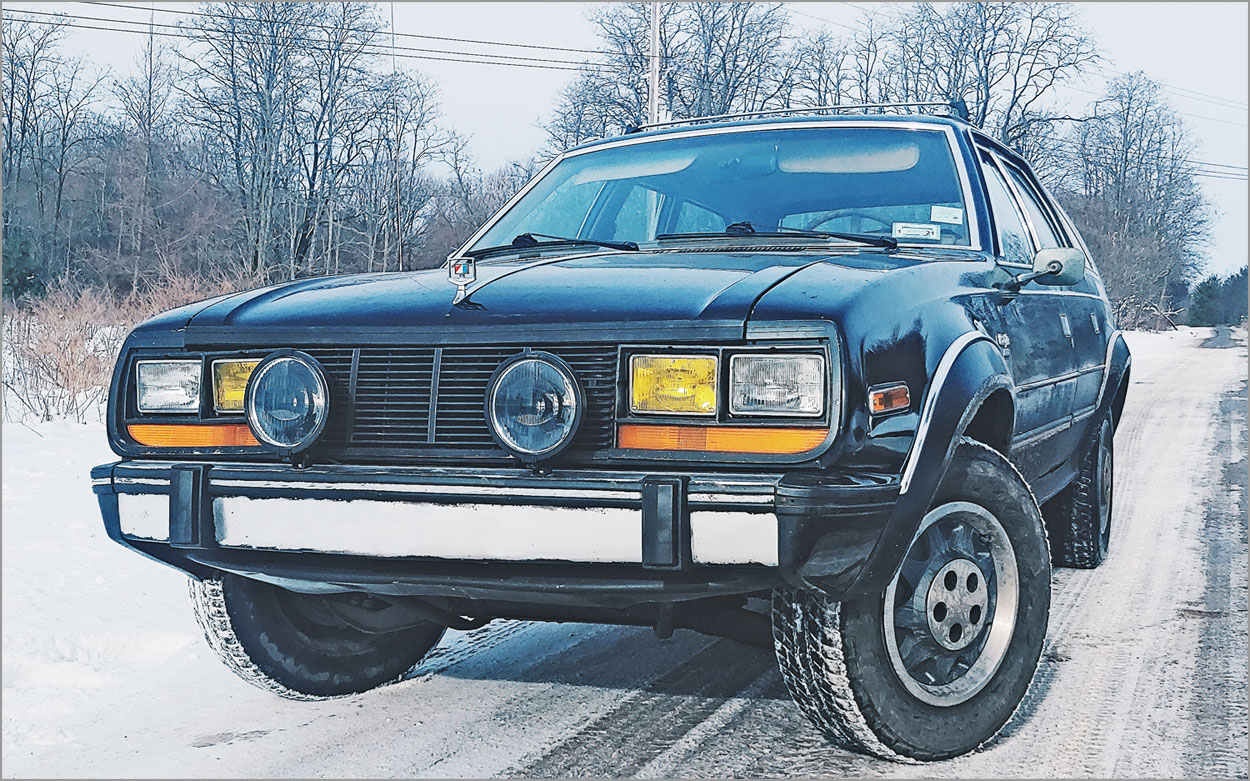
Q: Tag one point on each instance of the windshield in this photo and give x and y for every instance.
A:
(878, 181)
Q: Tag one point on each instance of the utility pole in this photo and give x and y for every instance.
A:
(399, 147)
(653, 97)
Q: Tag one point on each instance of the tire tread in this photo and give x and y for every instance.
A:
(208, 603)
(1072, 517)
(812, 652)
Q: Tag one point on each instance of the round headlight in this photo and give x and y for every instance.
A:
(287, 401)
(534, 405)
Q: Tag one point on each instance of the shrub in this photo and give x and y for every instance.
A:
(60, 348)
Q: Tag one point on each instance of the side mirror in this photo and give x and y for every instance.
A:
(1059, 266)
(1053, 267)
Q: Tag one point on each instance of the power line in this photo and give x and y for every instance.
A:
(354, 29)
(1196, 165)
(1181, 113)
(1183, 166)
(457, 56)
(380, 51)
(1101, 147)
(391, 47)
(1194, 94)
(826, 21)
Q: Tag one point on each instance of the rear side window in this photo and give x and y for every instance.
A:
(635, 220)
(692, 218)
(1047, 232)
(1013, 238)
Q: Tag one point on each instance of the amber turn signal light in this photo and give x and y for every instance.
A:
(889, 398)
(192, 435)
(721, 439)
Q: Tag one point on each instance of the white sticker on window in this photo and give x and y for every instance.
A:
(916, 230)
(950, 215)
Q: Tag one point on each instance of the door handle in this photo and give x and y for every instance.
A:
(1067, 329)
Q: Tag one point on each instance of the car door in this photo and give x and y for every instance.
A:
(1088, 315)
(1039, 346)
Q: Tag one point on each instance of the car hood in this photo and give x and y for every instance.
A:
(703, 286)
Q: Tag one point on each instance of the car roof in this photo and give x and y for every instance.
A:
(682, 126)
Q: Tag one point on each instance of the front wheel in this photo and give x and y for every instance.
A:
(298, 645)
(936, 665)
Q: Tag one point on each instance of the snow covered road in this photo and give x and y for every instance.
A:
(105, 672)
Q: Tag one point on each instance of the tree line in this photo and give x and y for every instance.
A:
(270, 141)
(274, 142)
(1219, 300)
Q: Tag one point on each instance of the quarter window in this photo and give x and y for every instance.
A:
(1013, 238)
(692, 218)
(636, 218)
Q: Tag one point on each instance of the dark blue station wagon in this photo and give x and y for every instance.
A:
(840, 385)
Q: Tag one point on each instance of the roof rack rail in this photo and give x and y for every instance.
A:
(955, 109)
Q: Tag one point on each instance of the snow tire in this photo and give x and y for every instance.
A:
(246, 625)
(834, 660)
(1078, 518)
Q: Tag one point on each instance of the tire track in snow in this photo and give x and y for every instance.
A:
(1217, 739)
(648, 722)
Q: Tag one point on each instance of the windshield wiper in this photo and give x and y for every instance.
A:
(530, 240)
(745, 228)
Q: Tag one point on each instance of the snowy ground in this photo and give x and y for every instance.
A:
(105, 672)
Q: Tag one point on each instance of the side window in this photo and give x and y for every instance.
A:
(1047, 232)
(634, 220)
(1013, 238)
(692, 218)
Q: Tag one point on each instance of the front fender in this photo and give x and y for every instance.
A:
(970, 370)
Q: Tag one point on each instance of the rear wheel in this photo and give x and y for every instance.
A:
(298, 645)
(936, 665)
(1079, 517)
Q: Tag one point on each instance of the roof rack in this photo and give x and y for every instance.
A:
(956, 109)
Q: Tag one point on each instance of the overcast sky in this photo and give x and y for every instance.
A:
(1190, 47)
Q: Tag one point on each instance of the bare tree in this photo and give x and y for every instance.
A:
(731, 57)
(243, 82)
(716, 57)
(30, 57)
(1132, 189)
(1003, 59)
(823, 75)
(336, 63)
(146, 100)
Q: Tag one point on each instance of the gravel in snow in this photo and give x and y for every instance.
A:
(105, 672)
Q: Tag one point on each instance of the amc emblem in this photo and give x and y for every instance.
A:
(462, 271)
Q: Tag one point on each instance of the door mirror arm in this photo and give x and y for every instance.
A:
(1060, 266)
(1020, 280)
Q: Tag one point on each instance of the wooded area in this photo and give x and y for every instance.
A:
(255, 142)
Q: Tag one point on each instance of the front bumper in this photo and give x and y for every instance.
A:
(498, 533)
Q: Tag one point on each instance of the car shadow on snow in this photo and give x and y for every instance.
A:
(621, 657)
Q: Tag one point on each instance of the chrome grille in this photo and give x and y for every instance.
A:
(390, 408)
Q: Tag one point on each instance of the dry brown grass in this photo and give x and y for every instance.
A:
(59, 350)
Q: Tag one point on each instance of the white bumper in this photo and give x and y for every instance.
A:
(468, 530)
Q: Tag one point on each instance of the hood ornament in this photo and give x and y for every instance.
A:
(461, 272)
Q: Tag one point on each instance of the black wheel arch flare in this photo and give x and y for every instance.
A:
(977, 372)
